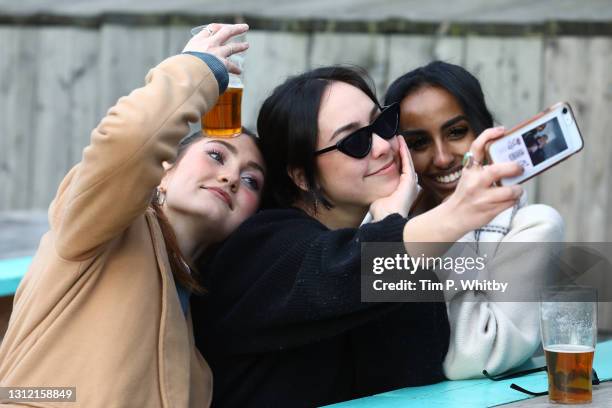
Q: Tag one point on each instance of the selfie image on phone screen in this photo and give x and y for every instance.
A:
(544, 141)
(539, 143)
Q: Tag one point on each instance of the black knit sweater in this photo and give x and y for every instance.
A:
(282, 324)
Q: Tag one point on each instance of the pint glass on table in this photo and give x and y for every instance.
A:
(569, 333)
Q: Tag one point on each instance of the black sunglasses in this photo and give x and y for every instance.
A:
(595, 380)
(359, 143)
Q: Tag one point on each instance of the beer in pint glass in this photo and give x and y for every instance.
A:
(569, 372)
(569, 333)
(224, 119)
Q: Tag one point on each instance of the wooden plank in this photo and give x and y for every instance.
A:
(450, 49)
(126, 55)
(577, 70)
(8, 68)
(51, 127)
(604, 309)
(271, 58)
(21, 46)
(600, 122)
(363, 50)
(84, 103)
(509, 70)
(503, 11)
(66, 108)
(407, 52)
(177, 37)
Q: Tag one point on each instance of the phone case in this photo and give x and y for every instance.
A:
(533, 119)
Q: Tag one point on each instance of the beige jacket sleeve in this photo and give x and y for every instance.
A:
(115, 179)
(495, 335)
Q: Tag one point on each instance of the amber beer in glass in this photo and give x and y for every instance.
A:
(569, 373)
(224, 120)
(569, 333)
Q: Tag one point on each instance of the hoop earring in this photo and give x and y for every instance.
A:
(160, 196)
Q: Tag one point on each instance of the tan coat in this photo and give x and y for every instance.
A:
(98, 309)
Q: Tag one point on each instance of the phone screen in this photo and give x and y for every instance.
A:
(543, 141)
(536, 145)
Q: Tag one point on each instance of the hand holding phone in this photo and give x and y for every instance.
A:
(538, 143)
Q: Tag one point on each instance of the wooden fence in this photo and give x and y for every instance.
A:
(57, 82)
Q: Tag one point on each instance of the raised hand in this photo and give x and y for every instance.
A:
(212, 40)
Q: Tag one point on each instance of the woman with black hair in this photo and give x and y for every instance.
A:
(442, 110)
(283, 323)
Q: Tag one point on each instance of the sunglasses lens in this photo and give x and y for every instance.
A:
(386, 124)
(358, 144)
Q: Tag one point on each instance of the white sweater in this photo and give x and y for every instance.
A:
(494, 335)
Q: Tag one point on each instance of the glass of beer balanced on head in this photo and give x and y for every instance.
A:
(569, 333)
(224, 119)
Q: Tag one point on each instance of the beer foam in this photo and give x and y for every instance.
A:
(569, 348)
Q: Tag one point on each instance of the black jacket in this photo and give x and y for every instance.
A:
(283, 325)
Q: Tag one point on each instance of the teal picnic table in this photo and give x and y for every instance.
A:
(11, 272)
(484, 392)
(448, 394)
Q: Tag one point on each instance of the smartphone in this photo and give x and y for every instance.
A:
(538, 143)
